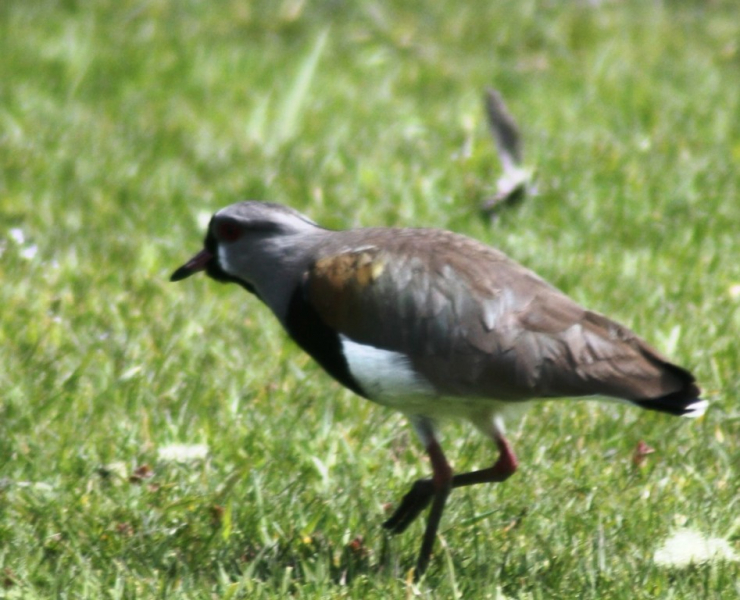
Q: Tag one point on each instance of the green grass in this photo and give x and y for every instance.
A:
(123, 123)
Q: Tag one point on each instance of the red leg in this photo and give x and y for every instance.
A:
(442, 482)
(504, 467)
(437, 489)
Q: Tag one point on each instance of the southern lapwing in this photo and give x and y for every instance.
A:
(435, 325)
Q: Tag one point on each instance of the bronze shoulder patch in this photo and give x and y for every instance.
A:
(359, 269)
(337, 286)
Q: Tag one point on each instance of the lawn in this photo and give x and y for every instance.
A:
(167, 440)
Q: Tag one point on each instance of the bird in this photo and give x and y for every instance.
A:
(517, 180)
(437, 326)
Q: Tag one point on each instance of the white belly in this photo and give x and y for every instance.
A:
(383, 374)
(388, 378)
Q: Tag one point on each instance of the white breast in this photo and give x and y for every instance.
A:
(383, 374)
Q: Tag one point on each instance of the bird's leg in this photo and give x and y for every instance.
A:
(502, 469)
(415, 501)
(422, 492)
(417, 498)
(442, 482)
(438, 488)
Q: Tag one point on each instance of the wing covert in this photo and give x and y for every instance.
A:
(475, 323)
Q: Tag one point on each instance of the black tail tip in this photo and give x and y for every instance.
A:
(681, 404)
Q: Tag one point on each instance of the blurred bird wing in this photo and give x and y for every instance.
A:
(504, 130)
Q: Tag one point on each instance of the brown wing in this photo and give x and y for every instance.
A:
(475, 323)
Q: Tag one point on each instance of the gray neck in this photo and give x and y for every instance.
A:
(285, 259)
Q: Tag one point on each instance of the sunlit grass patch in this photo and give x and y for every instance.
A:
(182, 452)
(690, 547)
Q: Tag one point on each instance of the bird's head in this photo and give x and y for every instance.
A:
(251, 243)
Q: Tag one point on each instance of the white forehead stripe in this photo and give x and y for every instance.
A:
(223, 261)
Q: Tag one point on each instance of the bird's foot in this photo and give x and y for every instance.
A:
(413, 503)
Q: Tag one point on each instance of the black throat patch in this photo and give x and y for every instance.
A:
(320, 341)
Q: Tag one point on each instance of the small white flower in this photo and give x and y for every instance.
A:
(687, 547)
(29, 251)
(17, 235)
(183, 452)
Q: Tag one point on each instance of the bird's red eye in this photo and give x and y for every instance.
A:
(229, 231)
